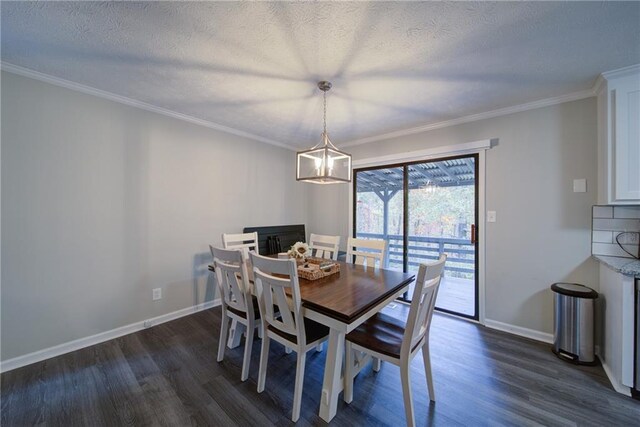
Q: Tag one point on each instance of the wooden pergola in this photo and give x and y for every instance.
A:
(446, 173)
(386, 183)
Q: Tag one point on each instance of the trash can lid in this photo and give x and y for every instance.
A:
(574, 290)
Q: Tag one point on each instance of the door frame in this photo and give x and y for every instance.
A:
(431, 154)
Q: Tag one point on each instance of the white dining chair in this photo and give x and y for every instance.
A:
(244, 241)
(389, 339)
(366, 252)
(324, 246)
(289, 328)
(238, 304)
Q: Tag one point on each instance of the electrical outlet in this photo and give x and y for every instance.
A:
(491, 216)
(157, 294)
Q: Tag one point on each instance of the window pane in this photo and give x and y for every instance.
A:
(379, 210)
(441, 212)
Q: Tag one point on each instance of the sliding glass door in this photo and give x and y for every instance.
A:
(380, 211)
(422, 210)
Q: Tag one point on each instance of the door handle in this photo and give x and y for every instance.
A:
(473, 234)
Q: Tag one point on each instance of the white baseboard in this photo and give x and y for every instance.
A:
(519, 330)
(620, 388)
(548, 338)
(47, 353)
(615, 384)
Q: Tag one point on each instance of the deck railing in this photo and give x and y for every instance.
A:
(460, 252)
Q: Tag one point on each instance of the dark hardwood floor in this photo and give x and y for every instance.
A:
(167, 375)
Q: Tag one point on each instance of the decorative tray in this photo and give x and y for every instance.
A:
(317, 268)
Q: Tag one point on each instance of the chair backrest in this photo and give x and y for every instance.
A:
(324, 246)
(423, 303)
(244, 241)
(366, 252)
(272, 291)
(233, 279)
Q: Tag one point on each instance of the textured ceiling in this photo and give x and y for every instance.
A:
(253, 66)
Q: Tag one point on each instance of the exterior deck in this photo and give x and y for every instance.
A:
(456, 294)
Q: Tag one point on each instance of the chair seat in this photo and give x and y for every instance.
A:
(256, 309)
(381, 333)
(313, 332)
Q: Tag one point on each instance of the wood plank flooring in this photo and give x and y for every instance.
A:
(167, 375)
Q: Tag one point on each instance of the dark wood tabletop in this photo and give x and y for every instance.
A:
(348, 294)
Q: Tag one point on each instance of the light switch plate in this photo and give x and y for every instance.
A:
(579, 185)
(491, 216)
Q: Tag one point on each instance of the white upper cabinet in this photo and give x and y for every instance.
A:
(619, 137)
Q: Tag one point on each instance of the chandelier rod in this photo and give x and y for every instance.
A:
(324, 93)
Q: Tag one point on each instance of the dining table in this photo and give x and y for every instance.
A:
(343, 301)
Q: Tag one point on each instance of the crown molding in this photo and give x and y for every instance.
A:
(599, 85)
(428, 153)
(601, 82)
(57, 81)
(574, 96)
(621, 72)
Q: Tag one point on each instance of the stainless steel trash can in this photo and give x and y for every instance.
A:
(573, 320)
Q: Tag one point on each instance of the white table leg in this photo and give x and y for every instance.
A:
(235, 334)
(332, 383)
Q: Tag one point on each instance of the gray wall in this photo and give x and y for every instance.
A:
(542, 234)
(102, 202)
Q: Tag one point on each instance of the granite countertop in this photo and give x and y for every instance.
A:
(626, 266)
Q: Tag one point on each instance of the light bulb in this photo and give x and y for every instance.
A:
(329, 164)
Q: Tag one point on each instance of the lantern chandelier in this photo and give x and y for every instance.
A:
(323, 163)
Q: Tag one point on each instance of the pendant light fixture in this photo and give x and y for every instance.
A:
(324, 163)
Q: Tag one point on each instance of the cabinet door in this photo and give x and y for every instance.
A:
(626, 137)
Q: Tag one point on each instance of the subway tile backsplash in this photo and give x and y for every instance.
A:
(603, 212)
(602, 236)
(626, 212)
(608, 222)
(615, 224)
